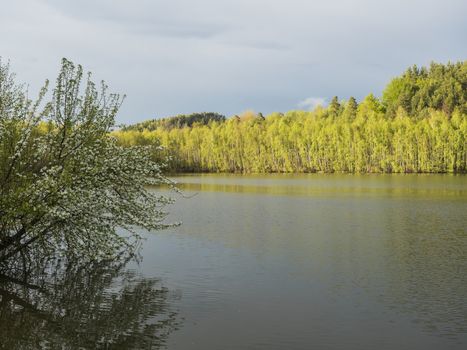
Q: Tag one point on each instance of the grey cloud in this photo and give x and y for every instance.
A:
(145, 19)
(177, 56)
(260, 45)
(185, 30)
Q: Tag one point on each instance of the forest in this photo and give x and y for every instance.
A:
(418, 125)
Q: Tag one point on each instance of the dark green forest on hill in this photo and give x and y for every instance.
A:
(418, 125)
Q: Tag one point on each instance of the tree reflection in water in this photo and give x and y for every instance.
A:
(76, 306)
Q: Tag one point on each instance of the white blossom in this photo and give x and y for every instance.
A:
(65, 183)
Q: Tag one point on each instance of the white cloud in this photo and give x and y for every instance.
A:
(311, 103)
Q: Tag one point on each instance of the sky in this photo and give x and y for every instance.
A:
(227, 56)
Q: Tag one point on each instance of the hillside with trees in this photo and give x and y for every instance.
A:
(418, 125)
(178, 121)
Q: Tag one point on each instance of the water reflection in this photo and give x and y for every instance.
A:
(326, 185)
(75, 306)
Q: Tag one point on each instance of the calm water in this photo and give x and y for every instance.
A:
(274, 262)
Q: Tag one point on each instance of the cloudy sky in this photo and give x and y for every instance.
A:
(182, 56)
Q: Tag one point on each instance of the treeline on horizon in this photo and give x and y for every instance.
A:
(418, 125)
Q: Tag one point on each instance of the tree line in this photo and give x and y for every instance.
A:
(418, 125)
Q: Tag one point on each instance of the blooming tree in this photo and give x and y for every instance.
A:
(65, 185)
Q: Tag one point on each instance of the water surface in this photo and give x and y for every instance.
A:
(305, 262)
(318, 261)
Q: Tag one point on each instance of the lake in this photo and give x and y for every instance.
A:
(282, 262)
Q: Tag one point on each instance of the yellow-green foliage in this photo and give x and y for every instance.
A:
(361, 140)
(418, 126)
